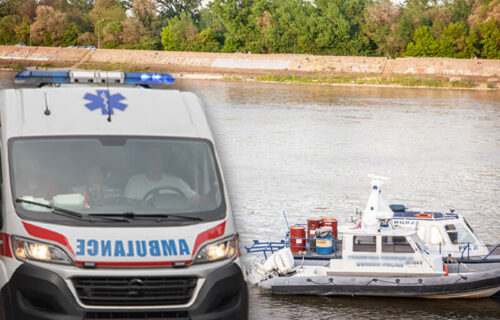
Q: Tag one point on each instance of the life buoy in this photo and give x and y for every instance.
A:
(445, 269)
(357, 226)
(424, 215)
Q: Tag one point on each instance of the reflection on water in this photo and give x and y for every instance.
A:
(355, 308)
(306, 150)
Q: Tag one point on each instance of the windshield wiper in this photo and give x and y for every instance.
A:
(66, 212)
(153, 216)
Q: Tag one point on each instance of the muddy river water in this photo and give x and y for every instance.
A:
(307, 150)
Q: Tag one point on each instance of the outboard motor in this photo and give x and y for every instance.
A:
(279, 263)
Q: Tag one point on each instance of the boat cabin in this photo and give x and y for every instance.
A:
(446, 233)
(384, 251)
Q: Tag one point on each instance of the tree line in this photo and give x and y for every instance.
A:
(421, 28)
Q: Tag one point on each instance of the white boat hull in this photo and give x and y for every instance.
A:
(464, 285)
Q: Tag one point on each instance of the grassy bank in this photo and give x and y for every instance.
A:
(374, 80)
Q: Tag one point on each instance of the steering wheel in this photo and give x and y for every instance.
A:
(156, 192)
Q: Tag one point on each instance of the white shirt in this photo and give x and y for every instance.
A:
(139, 184)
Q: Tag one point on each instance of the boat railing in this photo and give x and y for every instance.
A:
(307, 250)
(266, 247)
(467, 247)
(489, 253)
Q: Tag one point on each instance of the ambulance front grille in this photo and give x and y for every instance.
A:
(134, 291)
(149, 315)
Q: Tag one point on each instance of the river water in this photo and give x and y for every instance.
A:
(307, 150)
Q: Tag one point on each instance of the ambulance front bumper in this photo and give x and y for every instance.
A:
(35, 293)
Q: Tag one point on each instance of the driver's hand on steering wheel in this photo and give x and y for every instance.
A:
(207, 197)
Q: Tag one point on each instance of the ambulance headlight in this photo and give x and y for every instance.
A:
(38, 251)
(224, 249)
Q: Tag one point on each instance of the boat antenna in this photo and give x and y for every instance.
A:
(284, 215)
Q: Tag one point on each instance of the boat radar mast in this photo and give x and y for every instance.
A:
(377, 210)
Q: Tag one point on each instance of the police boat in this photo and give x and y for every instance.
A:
(379, 258)
(449, 234)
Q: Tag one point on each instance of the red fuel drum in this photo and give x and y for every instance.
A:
(330, 222)
(297, 239)
(312, 225)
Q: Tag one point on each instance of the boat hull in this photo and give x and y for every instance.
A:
(465, 285)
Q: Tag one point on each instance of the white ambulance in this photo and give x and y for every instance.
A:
(113, 204)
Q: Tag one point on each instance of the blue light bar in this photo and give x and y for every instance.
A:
(148, 78)
(96, 77)
(41, 76)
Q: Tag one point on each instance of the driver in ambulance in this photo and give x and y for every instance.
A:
(140, 184)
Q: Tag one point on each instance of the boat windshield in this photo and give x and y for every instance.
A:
(459, 234)
(418, 242)
(115, 175)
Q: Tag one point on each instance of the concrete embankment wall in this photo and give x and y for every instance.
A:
(249, 64)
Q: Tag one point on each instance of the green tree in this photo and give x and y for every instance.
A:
(70, 35)
(145, 11)
(471, 49)
(171, 8)
(112, 33)
(490, 34)
(460, 10)
(180, 34)
(424, 44)
(48, 27)
(108, 10)
(452, 41)
(234, 15)
(381, 26)
(8, 26)
(206, 41)
(22, 32)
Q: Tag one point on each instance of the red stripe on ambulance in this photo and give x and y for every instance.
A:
(47, 234)
(5, 249)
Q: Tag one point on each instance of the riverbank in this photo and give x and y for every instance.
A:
(291, 68)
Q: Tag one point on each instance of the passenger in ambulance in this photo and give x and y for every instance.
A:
(154, 178)
(31, 181)
(95, 190)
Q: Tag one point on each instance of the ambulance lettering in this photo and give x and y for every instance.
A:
(132, 248)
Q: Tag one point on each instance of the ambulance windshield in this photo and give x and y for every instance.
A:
(116, 175)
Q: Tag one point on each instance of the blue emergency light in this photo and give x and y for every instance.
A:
(39, 76)
(147, 78)
(92, 77)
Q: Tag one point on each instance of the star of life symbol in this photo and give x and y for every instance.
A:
(104, 101)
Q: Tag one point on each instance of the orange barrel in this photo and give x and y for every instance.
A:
(312, 225)
(332, 223)
(297, 239)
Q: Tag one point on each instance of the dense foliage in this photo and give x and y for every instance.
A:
(422, 28)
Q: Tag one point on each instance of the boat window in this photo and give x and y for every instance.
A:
(420, 245)
(436, 237)
(396, 244)
(459, 234)
(364, 244)
(468, 225)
